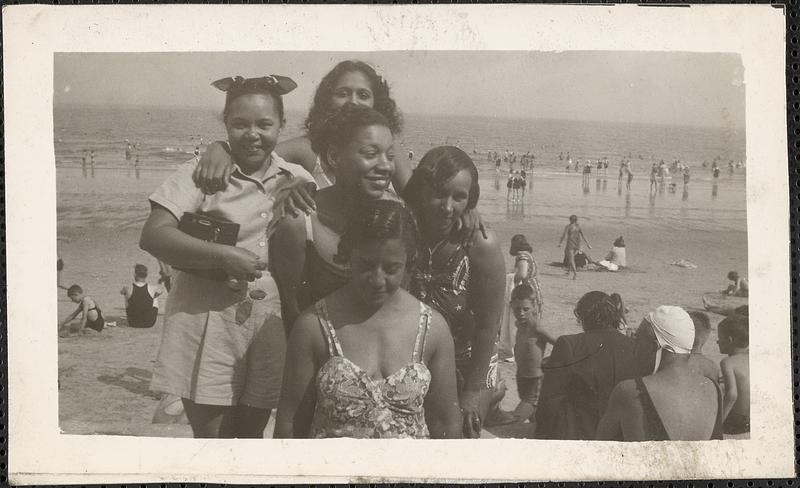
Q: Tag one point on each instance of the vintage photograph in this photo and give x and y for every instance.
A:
(447, 243)
(402, 244)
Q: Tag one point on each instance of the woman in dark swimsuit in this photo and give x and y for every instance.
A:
(357, 142)
(460, 273)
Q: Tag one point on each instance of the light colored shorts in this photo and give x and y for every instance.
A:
(220, 346)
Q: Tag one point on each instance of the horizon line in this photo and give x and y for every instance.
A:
(404, 113)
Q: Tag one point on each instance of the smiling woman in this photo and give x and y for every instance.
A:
(357, 143)
(213, 327)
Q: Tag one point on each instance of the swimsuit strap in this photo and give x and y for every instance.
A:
(425, 316)
(334, 348)
(651, 414)
(309, 228)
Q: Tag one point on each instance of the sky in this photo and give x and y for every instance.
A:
(674, 88)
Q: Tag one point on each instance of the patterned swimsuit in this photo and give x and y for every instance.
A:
(352, 404)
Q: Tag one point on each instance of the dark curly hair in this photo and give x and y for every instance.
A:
(379, 220)
(383, 103)
(340, 128)
(437, 167)
(519, 243)
(598, 310)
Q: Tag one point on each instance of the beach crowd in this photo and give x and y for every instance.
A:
(324, 280)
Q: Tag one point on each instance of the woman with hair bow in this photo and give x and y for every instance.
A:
(223, 345)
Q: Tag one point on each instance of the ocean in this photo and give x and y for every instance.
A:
(117, 189)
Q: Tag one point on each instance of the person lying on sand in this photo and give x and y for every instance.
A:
(740, 310)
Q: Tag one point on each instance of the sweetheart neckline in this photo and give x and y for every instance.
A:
(363, 372)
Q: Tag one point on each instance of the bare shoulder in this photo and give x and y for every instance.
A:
(297, 150)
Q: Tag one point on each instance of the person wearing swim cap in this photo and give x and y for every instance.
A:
(674, 402)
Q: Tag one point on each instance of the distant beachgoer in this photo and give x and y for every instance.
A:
(702, 329)
(197, 153)
(410, 155)
(529, 345)
(616, 257)
(128, 150)
(59, 269)
(223, 346)
(370, 360)
(583, 370)
(577, 164)
(92, 158)
(674, 402)
(734, 340)
(653, 176)
(723, 310)
(141, 306)
(715, 172)
(574, 235)
(686, 175)
(91, 315)
(739, 286)
(630, 178)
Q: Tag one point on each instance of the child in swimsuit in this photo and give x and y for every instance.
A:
(91, 315)
(140, 300)
(734, 340)
(380, 362)
(529, 347)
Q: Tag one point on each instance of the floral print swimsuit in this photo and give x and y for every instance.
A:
(352, 404)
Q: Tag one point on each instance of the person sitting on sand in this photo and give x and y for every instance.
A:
(574, 235)
(739, 287)
(702, 329)
(140, 300)
(583, 369)
(91, 315)
(734, 340)
(530, 343)
(348, 372)
(675, 402)
(615, 259)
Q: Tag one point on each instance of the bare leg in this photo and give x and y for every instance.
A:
(210, 421)
(251, 422)
(571, 260)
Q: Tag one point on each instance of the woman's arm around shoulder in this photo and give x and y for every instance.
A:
(304, 351)
(298, 151)
(287, 258)
(442, 412)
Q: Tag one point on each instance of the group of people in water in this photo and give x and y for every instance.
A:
(359, 297)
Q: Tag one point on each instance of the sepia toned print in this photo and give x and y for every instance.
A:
(527, 247)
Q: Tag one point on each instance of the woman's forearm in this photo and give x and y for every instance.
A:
(175, 248)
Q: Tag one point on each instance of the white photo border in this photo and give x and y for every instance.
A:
(40, 454)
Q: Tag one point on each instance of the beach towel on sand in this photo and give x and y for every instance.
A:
(684, 263)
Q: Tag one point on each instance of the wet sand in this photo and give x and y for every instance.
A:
(104, 377)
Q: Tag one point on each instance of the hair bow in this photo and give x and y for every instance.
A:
(280, 85)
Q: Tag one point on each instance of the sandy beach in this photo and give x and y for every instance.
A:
(100, 221)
